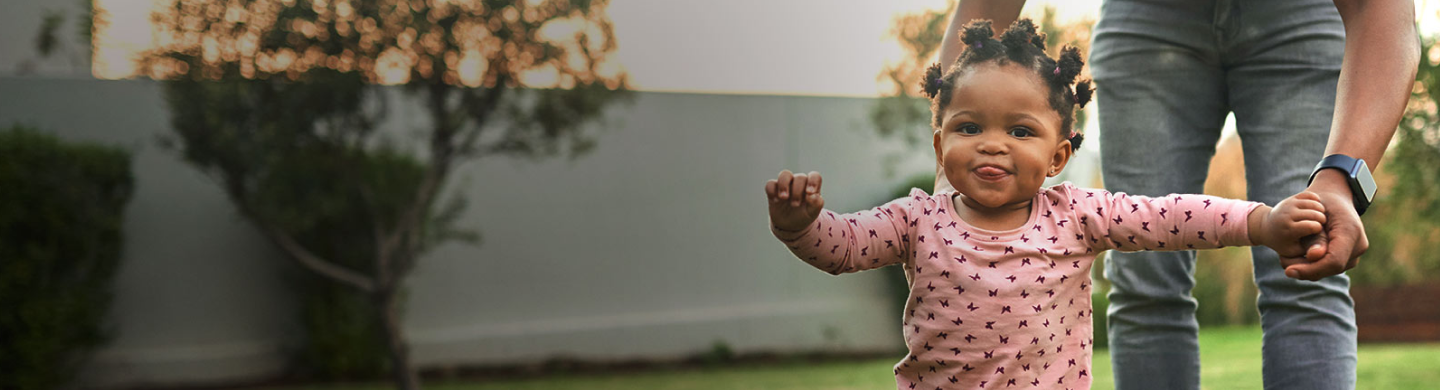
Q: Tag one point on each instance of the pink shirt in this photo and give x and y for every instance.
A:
(1008, 308)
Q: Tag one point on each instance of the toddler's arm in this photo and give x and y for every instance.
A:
(1174, 222)
(831, 242)
(1179, 222)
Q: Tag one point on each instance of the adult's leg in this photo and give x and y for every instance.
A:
(1285, 64)
(1162, 101)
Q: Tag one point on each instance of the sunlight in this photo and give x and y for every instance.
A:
(393, 67)
(126, 34)
(746, 46)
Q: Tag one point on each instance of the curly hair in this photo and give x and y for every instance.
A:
(1022, 45)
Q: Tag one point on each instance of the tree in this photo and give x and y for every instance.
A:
(277, 101)
(1402, 226)
(1416, 160)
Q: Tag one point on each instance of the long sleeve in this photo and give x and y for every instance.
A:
(1174, 222)
(842, 243)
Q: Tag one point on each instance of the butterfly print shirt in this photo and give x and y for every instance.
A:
(992, 309)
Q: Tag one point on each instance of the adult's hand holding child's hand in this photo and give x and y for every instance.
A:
(1343, 240)
(1292, 220)
(795, 200)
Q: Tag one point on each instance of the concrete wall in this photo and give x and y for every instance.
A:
(20, 22)
(654, 245)
(198, 296)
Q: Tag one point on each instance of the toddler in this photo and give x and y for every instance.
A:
(999, 268)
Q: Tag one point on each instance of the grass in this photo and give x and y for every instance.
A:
(1230, 359)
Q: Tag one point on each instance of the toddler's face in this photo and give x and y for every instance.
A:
(999, 139)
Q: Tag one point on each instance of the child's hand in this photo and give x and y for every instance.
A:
(795, 200)
(1292, 220)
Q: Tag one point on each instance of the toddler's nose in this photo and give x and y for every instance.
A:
(988, 146)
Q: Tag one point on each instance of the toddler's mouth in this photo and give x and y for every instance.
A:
(991, 173)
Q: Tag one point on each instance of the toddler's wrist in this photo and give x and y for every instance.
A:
(1260, 226)
(788, 232)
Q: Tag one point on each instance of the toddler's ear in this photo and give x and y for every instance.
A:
(936, 142)
(1061, 157)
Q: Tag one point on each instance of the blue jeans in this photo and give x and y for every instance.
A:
(1167, 73)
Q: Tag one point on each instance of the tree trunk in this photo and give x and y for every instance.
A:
(405, 377)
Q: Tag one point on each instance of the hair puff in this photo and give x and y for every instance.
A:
(1070, 64)
(976, 32)
(1018, 40)
(932, 81)
(1083, 93)
(1039, 41)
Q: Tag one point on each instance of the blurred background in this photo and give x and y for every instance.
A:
(512, 194)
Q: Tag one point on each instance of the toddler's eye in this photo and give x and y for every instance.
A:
(968, 128)
(1021, 132)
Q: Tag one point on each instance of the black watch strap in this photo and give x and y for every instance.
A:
(1357, 175)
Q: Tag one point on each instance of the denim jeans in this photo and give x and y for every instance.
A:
(1167, 74)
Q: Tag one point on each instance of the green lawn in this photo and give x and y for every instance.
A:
(1230, 359)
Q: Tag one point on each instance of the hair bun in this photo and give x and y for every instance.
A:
(976, 32)
(1038, 40)
(1020, 34)
(932, 81)
(1069, 64)
(1083, 92)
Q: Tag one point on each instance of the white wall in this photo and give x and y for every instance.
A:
(197, 296)
(20, 22)
(652, 246)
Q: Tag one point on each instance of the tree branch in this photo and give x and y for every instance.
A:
(412, 220)
(377, 227)
(480, 113)
(408, 227)
(318, 265)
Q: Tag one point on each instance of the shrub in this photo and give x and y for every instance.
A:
(60, 238)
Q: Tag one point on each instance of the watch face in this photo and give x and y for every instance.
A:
(1367, 183)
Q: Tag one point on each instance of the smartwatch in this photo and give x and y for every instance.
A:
(1362, 185)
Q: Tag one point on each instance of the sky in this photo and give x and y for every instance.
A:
(788, 47)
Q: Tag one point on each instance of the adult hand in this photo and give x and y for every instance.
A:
(1342, 240)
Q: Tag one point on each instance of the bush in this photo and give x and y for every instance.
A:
(60, 238)
(1400, 245)
(1225, 287)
